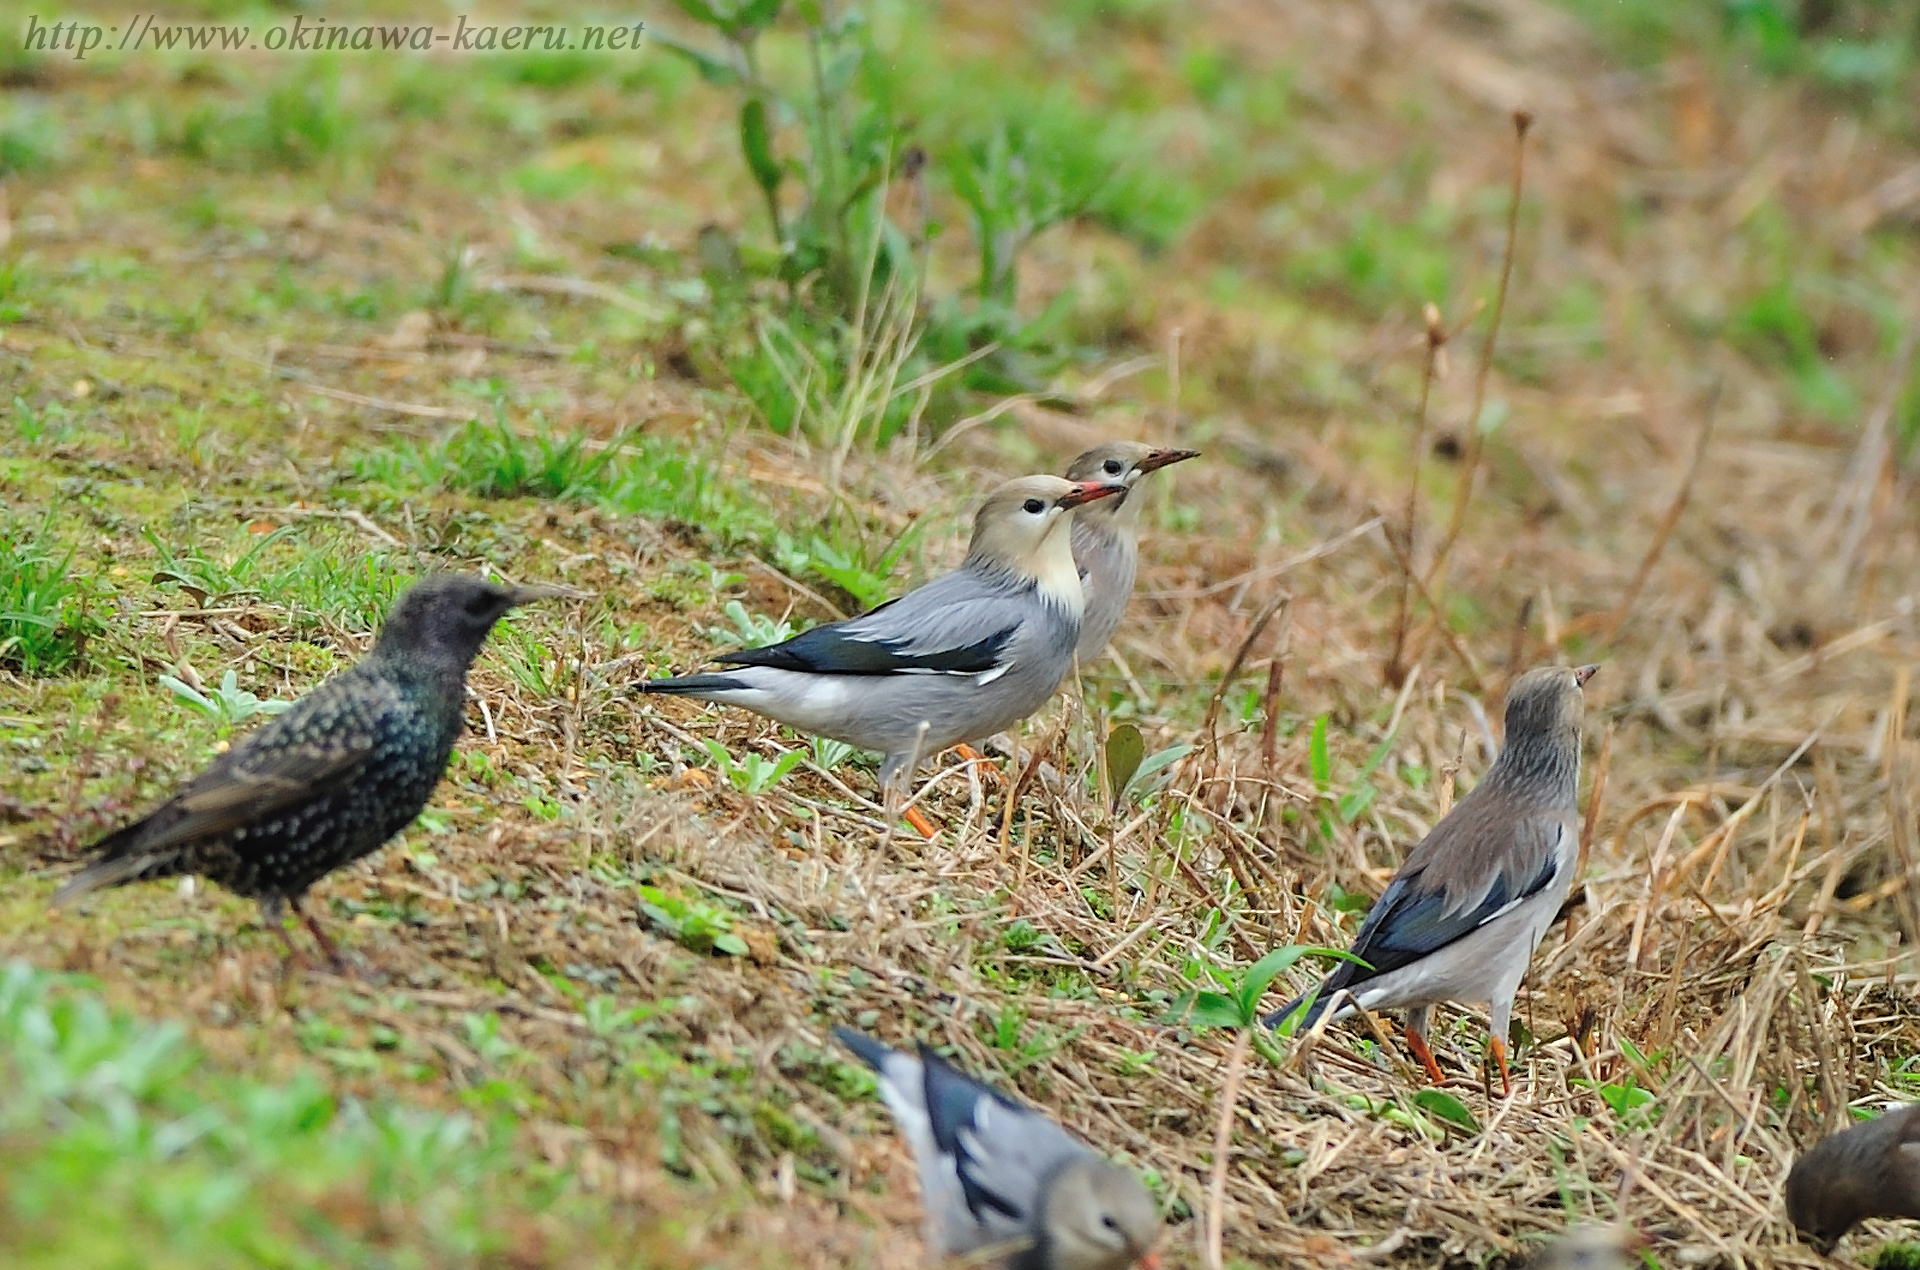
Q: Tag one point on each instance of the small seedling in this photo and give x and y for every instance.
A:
(750, 630)
(700, 926)
(829, 753)
(229, 703)
(752, 774)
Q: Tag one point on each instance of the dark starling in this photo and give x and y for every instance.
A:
(329, 781)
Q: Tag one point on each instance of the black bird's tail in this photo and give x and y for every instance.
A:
(869, 1051)
(1329, 988)
(1319, 998)
(118, 860)
(690, 685)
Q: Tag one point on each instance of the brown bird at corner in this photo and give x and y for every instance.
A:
(1870, 1170)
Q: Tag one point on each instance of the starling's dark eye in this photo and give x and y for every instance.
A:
(1033, 507)
(1111, 467)
(1106, 1219)
(479, 605)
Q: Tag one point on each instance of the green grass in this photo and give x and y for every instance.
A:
(44, 625)
(120, 1146)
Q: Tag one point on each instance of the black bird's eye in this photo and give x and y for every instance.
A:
(1033, 507)
(1106, 1219)
(1111, 467)
(479, 605)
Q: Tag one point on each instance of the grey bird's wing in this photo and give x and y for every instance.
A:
(283, 765)
(1478, 864)
(983, 1158)
(1003, 1152)
(959, 624)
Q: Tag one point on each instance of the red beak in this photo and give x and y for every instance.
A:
(1088, 491)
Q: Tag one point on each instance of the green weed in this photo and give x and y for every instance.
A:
(228, 703)
(750, 773)
(120, 1147)
(44, 623)
(701, 926)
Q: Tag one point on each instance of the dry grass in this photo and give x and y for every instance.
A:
(1734, 949)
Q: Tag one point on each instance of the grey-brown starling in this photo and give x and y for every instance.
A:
(1106, 536)
(329, 781)
(1461, 919)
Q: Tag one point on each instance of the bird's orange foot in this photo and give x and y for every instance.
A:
(1418, 1045)
(918, 820)
(1498, 1049)
(981, 762)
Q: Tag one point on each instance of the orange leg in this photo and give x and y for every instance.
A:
(914, 817)
(988, 772)
(1498, 1048)
(1420, 1051)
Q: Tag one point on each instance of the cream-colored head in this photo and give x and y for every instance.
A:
(1097, 1216)
(1022, 530)
(1124, 462)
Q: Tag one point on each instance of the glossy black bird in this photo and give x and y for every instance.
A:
(350, 765)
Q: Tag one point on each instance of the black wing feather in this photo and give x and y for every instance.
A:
(829, 650)
(953, 1101)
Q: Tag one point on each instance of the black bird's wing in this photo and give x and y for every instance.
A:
(1477, 864)
(959, 624)
(225, 797)
(298, 757)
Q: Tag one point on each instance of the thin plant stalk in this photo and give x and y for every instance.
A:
(1222, 1141)
(1470, 462)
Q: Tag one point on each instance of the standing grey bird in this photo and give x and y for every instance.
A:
(967, 655)
(1869, 1170)
(1461, 919)
(1106, 535)
(329, 781)
(995, 1174)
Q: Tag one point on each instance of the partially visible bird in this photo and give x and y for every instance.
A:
(1869, 1170)
(965, 656)
(1106, 535)
(1589, 1248)
(995, 1174)
(329, 781)
(1461, 919)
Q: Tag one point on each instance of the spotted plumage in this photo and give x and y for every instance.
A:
(329, 781)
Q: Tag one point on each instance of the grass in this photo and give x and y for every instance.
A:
(117, 1135)
(43, 622)
(279, 336)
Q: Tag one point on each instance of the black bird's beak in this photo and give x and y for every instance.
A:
(516, 596)
(1089, 491)
(1583, 673)
(1158, 459)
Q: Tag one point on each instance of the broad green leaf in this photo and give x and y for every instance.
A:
(755, 14)
(1262, 972)
(1125, 750)
(730, 944)
(1206, 1009)
(756, 142)
(1444, 1106)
